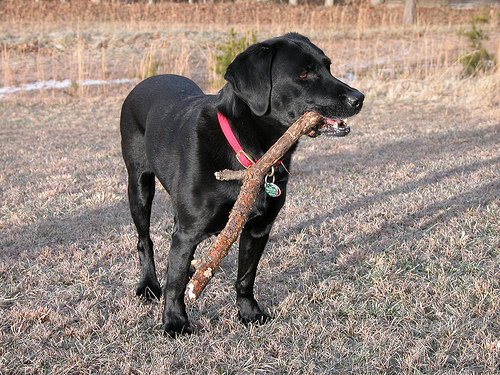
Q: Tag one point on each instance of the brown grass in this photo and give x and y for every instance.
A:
(385, 259)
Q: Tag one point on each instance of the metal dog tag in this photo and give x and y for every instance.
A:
(271, 188)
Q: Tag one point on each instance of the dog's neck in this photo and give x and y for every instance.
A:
(244, 158)
(256, 134)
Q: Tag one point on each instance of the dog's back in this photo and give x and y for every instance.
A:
(162, 92)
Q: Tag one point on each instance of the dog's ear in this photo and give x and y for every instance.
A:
(297, 37)
(250, 76)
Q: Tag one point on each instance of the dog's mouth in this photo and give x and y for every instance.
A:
(332, 128)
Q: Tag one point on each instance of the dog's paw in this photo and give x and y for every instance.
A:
(254, 318)
(149, 291)
(250, 312)
(174, 330)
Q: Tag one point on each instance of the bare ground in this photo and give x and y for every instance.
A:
(384, 260)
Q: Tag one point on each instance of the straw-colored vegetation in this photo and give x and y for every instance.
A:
(385, 258)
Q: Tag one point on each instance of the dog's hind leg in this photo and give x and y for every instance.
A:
(141, 190)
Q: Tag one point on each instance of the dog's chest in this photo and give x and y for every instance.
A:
(267, 206)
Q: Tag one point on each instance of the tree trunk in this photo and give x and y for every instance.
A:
(410, 16)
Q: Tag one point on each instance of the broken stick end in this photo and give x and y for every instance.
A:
(228, 175)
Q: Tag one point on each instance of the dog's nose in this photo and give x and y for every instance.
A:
(355, 99)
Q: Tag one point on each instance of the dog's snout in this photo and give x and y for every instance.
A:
(355, 99)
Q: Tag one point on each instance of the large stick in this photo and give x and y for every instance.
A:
(253, 178)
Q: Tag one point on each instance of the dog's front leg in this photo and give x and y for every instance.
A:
(175, 320)
(250, 252)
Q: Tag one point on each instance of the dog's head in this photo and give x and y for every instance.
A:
(284, 77)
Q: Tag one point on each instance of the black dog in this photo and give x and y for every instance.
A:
(170, 130)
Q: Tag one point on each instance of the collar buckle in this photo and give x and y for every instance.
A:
(245, 158)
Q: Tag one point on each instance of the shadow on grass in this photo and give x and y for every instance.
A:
(108, 223)
(411, 151)
(79, 228)
(454, 206)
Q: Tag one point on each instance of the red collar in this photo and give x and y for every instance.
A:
(244, 158)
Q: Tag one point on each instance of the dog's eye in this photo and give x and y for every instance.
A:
(303, 76)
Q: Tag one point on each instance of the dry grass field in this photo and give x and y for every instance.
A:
(385, 259)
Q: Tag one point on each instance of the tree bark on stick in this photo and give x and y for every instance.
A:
(253, 178)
